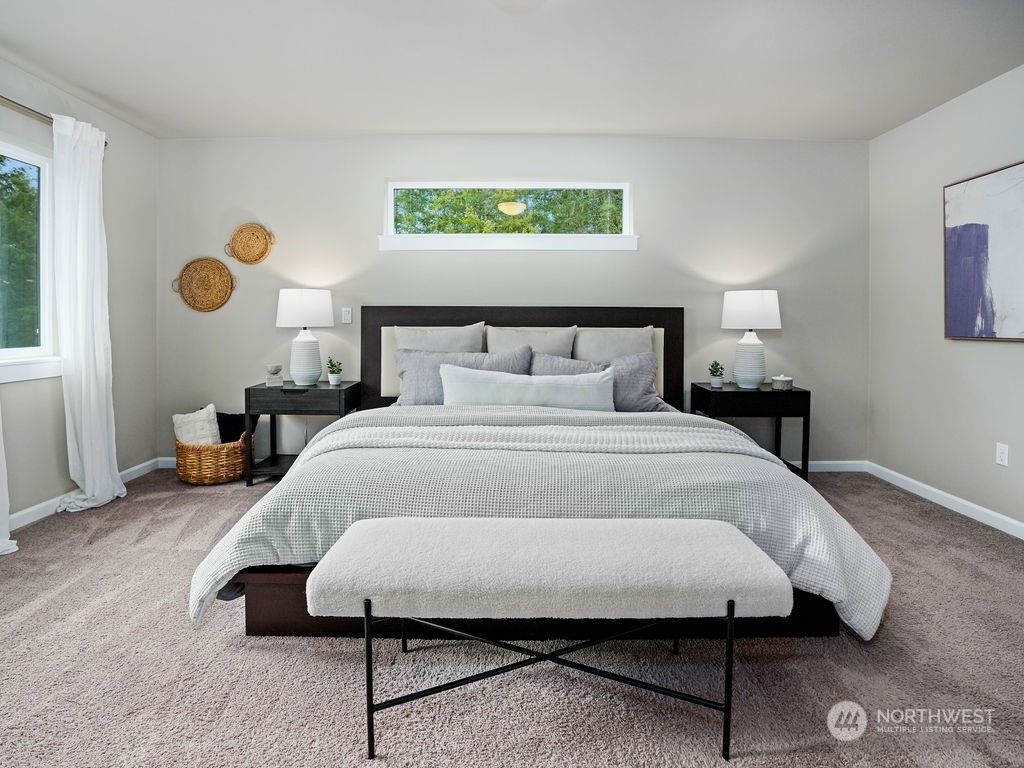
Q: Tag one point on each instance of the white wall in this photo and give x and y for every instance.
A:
(939, 406)
(33, 411)
(711, 215)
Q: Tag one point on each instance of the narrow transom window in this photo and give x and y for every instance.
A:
(458, 216)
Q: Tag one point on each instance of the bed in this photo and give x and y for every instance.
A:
(535, 461)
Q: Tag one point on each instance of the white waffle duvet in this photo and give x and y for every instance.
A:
(522, 461)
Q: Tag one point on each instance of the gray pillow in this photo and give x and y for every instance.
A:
(420, 371)
(601, 345)
(550, 341)
(634, 378)
(467, 338)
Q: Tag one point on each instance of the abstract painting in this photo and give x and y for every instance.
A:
(984, 256)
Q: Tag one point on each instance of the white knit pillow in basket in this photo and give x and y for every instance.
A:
(198, 428)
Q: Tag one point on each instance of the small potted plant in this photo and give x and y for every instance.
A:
(717, 373)
(333, 371)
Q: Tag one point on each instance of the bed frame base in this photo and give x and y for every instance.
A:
(275, 604)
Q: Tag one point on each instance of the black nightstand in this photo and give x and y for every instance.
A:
(321, 399)
(730, 400)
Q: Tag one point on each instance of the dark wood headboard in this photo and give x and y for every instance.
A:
(374, 317)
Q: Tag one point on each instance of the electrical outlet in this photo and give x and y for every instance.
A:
(346, 314)
(1002, 454)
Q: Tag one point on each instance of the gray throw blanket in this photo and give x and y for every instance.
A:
(520, 461)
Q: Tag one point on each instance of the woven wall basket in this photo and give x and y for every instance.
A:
(204, 284)
(250, 244)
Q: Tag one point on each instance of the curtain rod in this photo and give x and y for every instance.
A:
(26, 111)
(29, 112)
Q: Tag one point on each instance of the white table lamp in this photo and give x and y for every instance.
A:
(305, 308)
(749, 310)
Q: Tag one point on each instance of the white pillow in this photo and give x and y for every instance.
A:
(468, 338)
(602, 345)
(550, 341)
(586, 391)
(199, 428)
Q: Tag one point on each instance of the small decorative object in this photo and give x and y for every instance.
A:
(274, 377)
(333, 371)
(984, 243)
(750, 310)
(782, 382)
(717, 373)
(204, 284)
(250, 244)
(305, 308)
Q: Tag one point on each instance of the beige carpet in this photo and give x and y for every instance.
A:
(100, 667)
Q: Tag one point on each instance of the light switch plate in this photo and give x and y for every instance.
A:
(1002, 454)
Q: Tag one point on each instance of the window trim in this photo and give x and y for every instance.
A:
(26, 363)
(390, 241)
(26, 370)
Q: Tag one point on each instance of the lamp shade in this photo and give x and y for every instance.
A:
(751, 309)
(305, 308)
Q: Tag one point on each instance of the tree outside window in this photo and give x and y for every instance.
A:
(574, 211)
(19, 254)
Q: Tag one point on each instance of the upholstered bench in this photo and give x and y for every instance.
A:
(427, 570)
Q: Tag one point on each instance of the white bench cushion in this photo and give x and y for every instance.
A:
(540, 568)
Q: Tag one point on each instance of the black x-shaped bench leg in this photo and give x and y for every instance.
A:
(535, 657)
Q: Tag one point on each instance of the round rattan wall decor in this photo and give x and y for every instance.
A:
(204, 284)
(250, 244)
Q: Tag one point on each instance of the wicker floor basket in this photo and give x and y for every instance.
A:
(210, 464)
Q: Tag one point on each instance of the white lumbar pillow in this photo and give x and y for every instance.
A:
(588, 391)
(198, 428)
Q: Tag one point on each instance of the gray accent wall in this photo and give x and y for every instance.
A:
(939, 406)
(710, 215)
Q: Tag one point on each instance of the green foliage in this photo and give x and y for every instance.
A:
(333, 366)
(715, 369)
(475, 211)
(19, 254)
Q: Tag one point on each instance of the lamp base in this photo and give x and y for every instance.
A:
(749, 369)
(305, 365)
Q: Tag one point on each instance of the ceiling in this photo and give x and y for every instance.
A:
(792, 69)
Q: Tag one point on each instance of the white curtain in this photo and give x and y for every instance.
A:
(6, 545)
(83, 325)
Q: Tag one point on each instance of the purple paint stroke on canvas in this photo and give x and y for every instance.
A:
(970, 312)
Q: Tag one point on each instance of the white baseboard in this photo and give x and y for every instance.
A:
(26, 516)
(969, 509)
(836, 466)
(989, 517)
(139, 470)
(46, 508)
